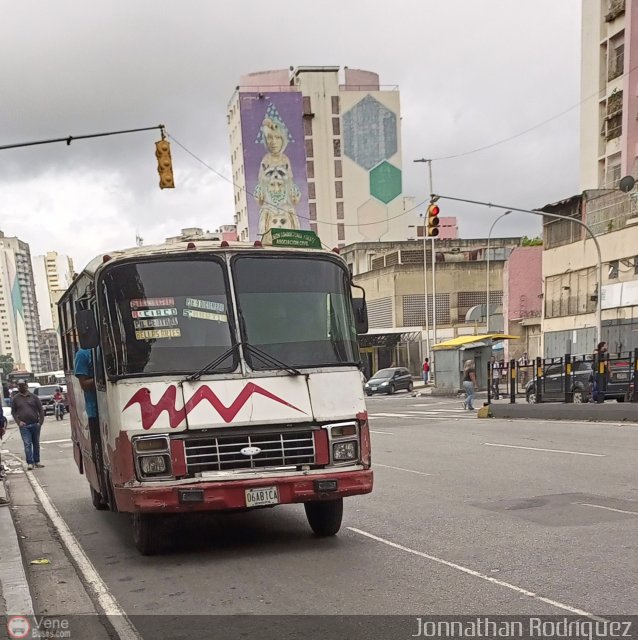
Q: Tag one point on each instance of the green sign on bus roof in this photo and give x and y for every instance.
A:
(292, 238)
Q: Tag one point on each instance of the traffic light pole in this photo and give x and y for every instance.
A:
(433, 267)
(487, 283)
(599, 296)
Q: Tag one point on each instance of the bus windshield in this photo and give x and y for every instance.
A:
(169, 316)
(295, 309)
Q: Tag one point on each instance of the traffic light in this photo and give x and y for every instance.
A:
(164, 164)
(432, 228)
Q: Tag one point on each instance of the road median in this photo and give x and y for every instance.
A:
(607, 412)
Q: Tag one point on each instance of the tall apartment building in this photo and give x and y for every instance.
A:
(608, 129)
(609, 148)
(53, 274)
(19, 322)
(317, 148)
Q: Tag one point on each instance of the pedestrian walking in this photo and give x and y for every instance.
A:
(3, 428)
(496, 378)
(469, 380)
(426, 371)
(28, 413)
(599, 383)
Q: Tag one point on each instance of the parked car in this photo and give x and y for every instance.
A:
(617, 388)
(389, 380)
(45, 393)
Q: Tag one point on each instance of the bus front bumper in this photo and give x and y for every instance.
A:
(232, 494)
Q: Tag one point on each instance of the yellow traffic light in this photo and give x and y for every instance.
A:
(433, 220)
(164, 164)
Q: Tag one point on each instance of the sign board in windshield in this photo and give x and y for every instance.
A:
(292, 238)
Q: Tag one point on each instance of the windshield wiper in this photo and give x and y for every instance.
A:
(212, 364)
(271, 360)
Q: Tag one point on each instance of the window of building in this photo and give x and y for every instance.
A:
(312, 210)
(338, 169)
(310, 169)
(313, 227)
(309, 149)
(307, 126)
(339, 210)
(335, 105)
(614, 115)
(616, 58)
(612, 175)
(635, 265)
(336, 128)
(613, 269)
(341, 232)
(311, 191)
(336, 147)
(307, 107)
(339, 189)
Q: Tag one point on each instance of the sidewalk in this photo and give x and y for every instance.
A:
(15, 596)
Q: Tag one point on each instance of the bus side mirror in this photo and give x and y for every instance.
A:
(360, 315)
(87, 329)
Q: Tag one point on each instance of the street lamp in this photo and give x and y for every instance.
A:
(487, 286)
(599, 292)
(425, 290)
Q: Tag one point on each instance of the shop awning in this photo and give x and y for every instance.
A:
(467, 341)
(389, 337)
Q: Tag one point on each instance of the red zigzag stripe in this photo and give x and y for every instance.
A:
(150, 412)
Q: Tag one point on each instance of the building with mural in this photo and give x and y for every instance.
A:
(19, 322)
(317, 148)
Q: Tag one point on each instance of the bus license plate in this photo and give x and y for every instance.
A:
(261, 497)
(621, 376)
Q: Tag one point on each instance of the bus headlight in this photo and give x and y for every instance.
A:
(343, 451)
(154, 465)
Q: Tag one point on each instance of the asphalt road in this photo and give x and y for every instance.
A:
(468, 516)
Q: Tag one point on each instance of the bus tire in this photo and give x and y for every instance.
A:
(146, 534)
(97, 500)
(325, 518)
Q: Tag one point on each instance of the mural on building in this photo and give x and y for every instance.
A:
(274, 161)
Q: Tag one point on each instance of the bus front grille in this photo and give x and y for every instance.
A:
(224, 453)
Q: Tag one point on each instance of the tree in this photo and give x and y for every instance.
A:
(6, 364)
(531, 242)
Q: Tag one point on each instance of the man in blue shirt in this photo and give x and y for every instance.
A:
(84, 372)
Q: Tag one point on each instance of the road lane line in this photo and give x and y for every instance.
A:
(385, 433)
(600, 506)
(55, 441)
(117, 616)
(477, 574)
(388, 466)
(573, 453)
(390, 415)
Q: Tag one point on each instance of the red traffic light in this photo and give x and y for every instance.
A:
(434, 210)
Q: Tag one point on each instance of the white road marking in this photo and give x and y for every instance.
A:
(477, 574)
(119, 620)
(388, 466)
(385, 433)
(573, 453)
(438, 412)
(391, 415)
(600, 506)
(55, 441)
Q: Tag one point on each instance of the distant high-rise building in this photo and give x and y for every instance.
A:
(50, 358)
(609, 129)
(19, 322)
(317, 148)
(53, 274)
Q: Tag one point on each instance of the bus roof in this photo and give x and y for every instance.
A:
(195, 246)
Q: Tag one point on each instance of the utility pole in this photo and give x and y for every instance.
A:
(433, 266)
(425, 274)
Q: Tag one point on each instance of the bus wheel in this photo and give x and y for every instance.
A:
(96, 499)
(324, 518)
(146, 533)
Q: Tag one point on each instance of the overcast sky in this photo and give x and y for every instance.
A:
(471, 72)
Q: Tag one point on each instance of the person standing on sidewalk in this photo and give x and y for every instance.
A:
(469, 380)
(426, 371)
(28, 413)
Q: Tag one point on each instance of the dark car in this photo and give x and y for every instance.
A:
(389, 380)
(617, 386)
(46, 393)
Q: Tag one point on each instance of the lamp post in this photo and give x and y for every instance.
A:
(425, 293)
(559, 217)
(487, 285)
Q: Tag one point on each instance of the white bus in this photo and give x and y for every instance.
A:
(227, 378)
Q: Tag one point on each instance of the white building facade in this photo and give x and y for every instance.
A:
(19, 322)
(53, 274)
(340, 173)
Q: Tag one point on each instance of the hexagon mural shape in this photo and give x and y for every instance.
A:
(372, 218)
(370, 132)
(385, 182)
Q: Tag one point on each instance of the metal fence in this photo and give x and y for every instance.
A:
(576, 379)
